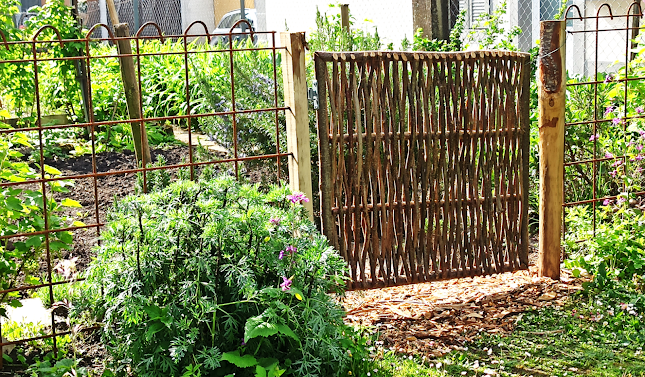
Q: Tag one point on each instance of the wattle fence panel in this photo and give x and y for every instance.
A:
(424, 163)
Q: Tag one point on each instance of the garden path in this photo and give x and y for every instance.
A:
(434, 318)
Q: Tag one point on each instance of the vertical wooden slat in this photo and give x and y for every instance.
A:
(328, 222)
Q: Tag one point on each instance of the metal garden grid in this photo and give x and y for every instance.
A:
(140, 37)
(590, 166)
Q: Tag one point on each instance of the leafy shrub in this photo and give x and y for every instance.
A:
(454, 42)
(489, 32)
(216, 278)
(22, 211)
(331, 36)
(617, 250)
(58, 85)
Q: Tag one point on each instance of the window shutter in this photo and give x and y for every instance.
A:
(478, 7)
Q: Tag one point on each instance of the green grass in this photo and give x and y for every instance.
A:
(599, 333)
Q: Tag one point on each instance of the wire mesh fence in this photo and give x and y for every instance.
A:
(604, 121)
(166, 14)
(57, 233)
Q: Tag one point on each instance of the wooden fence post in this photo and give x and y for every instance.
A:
(344, 17)
(294, 76)
(551, 103)
(131, 87)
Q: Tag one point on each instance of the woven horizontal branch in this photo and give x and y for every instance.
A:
(424, 163)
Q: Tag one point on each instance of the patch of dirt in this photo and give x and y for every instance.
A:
(434, 318)
(108, 189)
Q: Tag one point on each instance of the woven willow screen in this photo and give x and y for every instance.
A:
(424, 163)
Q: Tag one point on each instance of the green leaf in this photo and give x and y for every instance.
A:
(65, 237)
(255, 326)
(35, 241)
(65, 363)
(153, 329)
(260, 371)
(14, 204)
(154, 312)
(270, 366)
(78, 223)
(234, 358)
(51, 170)
(58, 245)
(285, 330)
(67, 202)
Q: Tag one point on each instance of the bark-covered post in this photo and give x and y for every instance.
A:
(551, 95)
(295, 98)
(131, 87)
(344, 17)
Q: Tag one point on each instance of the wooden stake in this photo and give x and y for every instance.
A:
(114, 15)
(132, 95)
(295, 97)
(551, 97)
(344, 17)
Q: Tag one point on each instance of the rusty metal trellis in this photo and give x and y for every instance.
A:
(95, 220)
(424, 163)
(587, 167)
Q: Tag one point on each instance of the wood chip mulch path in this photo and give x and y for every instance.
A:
(434, 318)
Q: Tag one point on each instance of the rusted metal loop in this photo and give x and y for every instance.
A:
(4, 40)
(566, 13)
(208, 36)
(96, 26)
(239, 22)
(640, 10)
(60, 40)
(608, 8)
(159, 32)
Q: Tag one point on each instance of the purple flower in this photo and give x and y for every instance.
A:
(609, 110)
(639, 157)
(275, 220)
(616, 121)
(642, 133)
(617, 163)
(286, 284)
(298, 197)
(607, 202)
(291, 249)
(609, 155)
(621, 199)
(613, 173)
(594, 137)
(608, 78)
(639, 147)
(640, 110)
(281, 254)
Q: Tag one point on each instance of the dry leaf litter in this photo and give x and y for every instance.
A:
(434, 318)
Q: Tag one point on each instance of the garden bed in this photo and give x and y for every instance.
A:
(110, 188)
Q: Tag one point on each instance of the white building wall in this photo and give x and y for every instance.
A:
(393, 18)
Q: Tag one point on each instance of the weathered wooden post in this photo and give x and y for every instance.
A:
(344, 17)
(551, 103)
(131, 87)
(294, 77)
